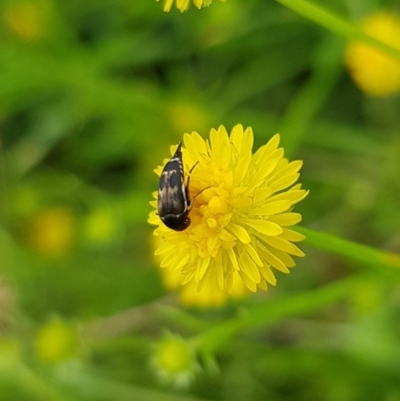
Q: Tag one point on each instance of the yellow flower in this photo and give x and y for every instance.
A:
(375, 72)
(23, 20)
(183, 5)
(174, 361)
(239, 222)
(56, 342)
(28, 19)
(184, 116)
(51, 232)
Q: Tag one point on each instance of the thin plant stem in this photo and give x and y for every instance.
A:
(277, 310)
(336, 24)
(358, 252)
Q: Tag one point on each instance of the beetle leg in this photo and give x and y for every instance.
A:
(190, 205)
(191, 201)
(190, 172)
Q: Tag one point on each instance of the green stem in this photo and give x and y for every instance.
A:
(276, 310)
(358, 252)
(336, 24)
(32, 383)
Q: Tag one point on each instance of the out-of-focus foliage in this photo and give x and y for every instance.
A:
(92, 95)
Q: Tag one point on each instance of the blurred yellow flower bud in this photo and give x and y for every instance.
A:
(375, 72)
(51, 232)
(174, 361)
(56, 341)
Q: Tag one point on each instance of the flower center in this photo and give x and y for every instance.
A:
(217, 205)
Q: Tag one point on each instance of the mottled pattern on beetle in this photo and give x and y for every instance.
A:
(172, 191)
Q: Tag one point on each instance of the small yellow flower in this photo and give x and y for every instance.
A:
(375, 72)
(183, 5)
(174, 361)
(23, 19)
(56, 341)
(51, 232)
(28, 19)
(239, 222)
(184, 116)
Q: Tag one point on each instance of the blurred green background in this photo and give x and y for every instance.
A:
(92, 95)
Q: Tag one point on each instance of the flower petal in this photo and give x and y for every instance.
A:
(292, 236)
(220, 147)
(241, 234)
(274, 261)
(202, 268)
(254, 255)
(283, 245)
(286, 219)
(250, 284)
(268, 275)
(261, 194)
(284, 182)
(271, 208)
(264, 226)
(195, 145)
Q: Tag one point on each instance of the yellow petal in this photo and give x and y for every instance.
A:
(237, 137)
(284, 182)
(202, 268)
(271, 208)
(240, 233)
(219, 272)
(283, 245)
(241, 168)
(264, 226)
(229, 281)
(248, 139)
(250, 284)
(212, 243)
(254, 255)
(195, 145)
(262, 285)
(261, 194)
(232, 258)
(265, 151)
(164, 248)
(268, 275)
(274, 261)
(286, 219)
(226, 236)
(292, 236)
(250, 268)
(180, 263)
(286, 259)
(221, 147)
(294, 196)
(261, 173)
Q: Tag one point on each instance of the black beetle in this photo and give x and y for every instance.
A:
(173, 195)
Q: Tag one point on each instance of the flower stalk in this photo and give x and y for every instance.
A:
(336, 24)
(277, 310)
(360, 253)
